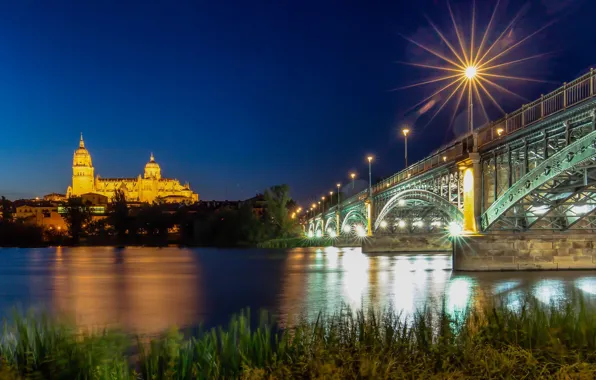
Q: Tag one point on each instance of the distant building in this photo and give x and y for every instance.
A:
(148, 188)
(41, 213)
(54, 197)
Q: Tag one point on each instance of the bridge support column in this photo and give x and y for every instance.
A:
(337, 225)
(472, 194)
(369, 207)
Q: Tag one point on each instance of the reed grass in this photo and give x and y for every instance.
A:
(534, 341)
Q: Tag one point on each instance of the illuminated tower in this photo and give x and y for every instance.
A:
(82, 171)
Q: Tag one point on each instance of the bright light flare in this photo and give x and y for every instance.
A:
(455, 229)
(360, 231)
(470, 72)
(471, 68)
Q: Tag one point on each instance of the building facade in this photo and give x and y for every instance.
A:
(148, 188)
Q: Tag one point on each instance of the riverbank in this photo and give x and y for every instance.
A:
(531, 341)
(296, 242)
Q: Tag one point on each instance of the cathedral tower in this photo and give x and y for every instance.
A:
(82, 171)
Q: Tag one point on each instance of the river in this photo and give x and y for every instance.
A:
(147, 290)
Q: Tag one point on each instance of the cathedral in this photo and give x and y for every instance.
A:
(148, 188)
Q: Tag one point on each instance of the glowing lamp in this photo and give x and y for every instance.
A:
(454, 229)
(360, 231)
(471, 72)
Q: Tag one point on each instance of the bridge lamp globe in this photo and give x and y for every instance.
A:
(310, 234)
(471, 72)
(401, 202)
(331, 233)
(454, 229)
(360, 231)
(347, 229)
(500, 131)
(401, 224)
(319, 233)
(383, 224)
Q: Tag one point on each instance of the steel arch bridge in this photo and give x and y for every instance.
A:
(534, 169)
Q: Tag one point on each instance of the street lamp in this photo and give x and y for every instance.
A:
(338, 186)
(470, 73)
(369, 158)
(352, 175)
(323, 199)
(405, 132)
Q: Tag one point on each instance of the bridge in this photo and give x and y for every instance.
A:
(525, 184)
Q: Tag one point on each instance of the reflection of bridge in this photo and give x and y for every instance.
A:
(533, 170)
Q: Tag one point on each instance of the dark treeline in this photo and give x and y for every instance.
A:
(159, 224)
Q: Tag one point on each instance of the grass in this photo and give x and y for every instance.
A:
(296, 242)
(532, 342)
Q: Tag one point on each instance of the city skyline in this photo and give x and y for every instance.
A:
(303, 106)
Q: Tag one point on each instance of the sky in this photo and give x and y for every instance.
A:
(236, 96)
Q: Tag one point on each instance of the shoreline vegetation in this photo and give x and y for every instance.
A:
(531, 341)
(271, 222)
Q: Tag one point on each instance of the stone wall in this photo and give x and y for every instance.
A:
(528, 251)
(407, 243)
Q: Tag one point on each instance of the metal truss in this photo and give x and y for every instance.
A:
(431, 200)
(541, 198)
(330, 221)
(354, 214)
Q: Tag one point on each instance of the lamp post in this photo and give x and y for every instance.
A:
(338, 186)
(352, 175)
(369, 158)
(405, 132)
(470, 74)
(323, 199)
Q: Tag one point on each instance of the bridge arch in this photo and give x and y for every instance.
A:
(330, 221)
(565, 160)
(319, 225)
(351, 215)
(440, 203)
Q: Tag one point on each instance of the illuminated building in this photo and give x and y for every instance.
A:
(148, 188)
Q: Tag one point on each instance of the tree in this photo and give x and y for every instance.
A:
(277, 199)
(6, 210)
(76, 217)
(119, 215)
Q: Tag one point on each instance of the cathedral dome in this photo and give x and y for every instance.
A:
(152, 169)
(81, 156)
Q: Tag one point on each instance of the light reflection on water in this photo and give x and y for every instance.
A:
(147, 290)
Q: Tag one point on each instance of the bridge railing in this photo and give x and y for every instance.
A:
(568, 95)
(347, 202)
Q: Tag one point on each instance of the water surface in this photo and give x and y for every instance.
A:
(146, 290)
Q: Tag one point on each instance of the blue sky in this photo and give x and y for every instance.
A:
(234, 96)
